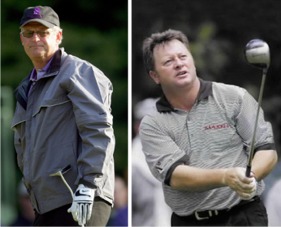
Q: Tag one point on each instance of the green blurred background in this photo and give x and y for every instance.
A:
(96, 31)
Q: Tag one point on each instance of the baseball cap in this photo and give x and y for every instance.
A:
(41, 14)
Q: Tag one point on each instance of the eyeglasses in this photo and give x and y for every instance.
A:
(29, 34)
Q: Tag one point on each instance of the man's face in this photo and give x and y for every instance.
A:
(40, 46)
(174, 65)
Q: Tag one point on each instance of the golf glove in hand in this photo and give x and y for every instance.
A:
(82, 204)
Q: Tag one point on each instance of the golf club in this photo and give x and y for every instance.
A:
(60, 174)
(257, 54)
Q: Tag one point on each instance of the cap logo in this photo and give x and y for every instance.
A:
(36, 13)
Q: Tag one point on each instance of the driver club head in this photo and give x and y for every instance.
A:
(257, 53)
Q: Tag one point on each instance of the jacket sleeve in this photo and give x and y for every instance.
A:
(90, 94)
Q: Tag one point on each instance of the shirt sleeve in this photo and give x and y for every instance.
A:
(245, 123)
(161, 151)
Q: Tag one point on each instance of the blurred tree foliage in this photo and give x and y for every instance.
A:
(92, 30)
(218, 32)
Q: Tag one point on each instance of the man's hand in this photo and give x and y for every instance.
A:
(248, 196)
(82, 204)
(236, 179)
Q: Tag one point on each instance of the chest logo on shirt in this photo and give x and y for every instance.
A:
(216, 126)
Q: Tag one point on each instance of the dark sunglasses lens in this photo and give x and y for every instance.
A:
(42, 34)
(29, 34)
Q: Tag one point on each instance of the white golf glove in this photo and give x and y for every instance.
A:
(82, 204)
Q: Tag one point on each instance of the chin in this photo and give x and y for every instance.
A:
(187, 82)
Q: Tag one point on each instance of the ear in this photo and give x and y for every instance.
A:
(59, 37)
(154, 76)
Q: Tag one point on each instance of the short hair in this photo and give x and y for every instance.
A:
(160, 38)
(58, 29)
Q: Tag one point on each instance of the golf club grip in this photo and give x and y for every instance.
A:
(248, 171)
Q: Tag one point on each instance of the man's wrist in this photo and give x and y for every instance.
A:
(87, 184)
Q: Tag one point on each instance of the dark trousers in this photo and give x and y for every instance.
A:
(60, 216)
(249, 214)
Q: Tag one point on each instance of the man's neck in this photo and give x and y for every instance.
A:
(184, 99)
(40, 63)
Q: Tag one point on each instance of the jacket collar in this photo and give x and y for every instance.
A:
(205, 91)
(55, 63)
(23, 88)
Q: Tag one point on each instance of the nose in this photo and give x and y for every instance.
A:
(35, 36)
(178, 63)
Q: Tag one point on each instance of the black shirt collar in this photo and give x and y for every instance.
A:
(205, 91)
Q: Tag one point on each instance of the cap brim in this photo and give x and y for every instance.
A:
(45, 23)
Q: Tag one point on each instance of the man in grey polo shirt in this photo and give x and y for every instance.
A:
(197, 140)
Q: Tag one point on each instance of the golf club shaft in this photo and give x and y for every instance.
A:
(249, 165)
(69, 188)
(66, 184)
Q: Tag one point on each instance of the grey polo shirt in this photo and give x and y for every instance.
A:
(215, 133)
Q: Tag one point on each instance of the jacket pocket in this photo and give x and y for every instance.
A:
(50, 184)
(19, 117)
(49, 103)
